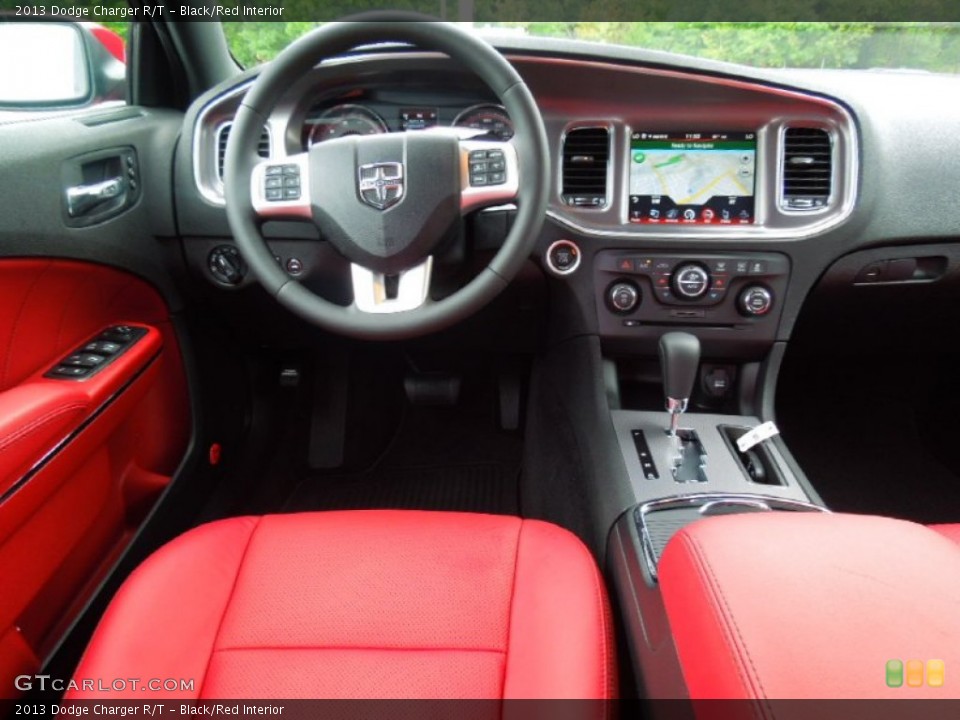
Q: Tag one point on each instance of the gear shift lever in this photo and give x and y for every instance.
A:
(679, 359)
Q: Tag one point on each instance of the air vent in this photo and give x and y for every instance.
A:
(807, 168)
(263, 147)
(586, 157)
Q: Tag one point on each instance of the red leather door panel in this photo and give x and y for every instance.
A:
(81, 463)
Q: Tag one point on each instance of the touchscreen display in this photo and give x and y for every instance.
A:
(692, 178)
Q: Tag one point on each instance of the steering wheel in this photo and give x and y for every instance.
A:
(385, 202)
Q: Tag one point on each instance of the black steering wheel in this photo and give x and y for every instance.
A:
(386, 201)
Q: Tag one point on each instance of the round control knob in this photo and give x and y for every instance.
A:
(691, 281)
(623, 296)
(755, 300)
(563, 257)
(226, 265)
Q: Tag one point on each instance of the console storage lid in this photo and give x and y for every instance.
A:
(810, 605)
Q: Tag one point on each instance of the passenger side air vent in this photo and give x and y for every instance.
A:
(807, 168)
(263, 147)
(586, 159)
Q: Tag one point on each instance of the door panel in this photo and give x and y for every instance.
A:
(81, 462)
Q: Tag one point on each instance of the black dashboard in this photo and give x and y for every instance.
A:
(684, 192)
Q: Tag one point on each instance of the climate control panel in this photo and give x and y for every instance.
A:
(731, 296)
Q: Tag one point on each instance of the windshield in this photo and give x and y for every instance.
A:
(915, 46)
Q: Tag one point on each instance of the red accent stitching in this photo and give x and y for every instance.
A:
(728, 618)
(226, 605)
(38, 423)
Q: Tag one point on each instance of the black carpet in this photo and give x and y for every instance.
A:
(876, 436)
(484, 488)
(440, 458)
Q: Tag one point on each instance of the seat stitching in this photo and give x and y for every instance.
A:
(601, 607)
(726, 617)
(226, 605)
(360, 648)
(513, 592)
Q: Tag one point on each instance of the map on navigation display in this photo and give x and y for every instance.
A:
(692, 177)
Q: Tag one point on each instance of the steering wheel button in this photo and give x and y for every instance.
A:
(273, 182)
(274, 194)
(478, 167)
(274, 170)
(478, 180)
(291, 181)
(291, 193)
(497, 165)
(477, 155)
(291, 170)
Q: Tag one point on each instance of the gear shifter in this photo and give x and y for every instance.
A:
(679, 359)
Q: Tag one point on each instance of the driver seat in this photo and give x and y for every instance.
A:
(357, 605)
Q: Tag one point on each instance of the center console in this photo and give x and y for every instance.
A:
(686, 467)
(727, 297)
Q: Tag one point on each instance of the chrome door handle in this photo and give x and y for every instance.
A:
(81, 199)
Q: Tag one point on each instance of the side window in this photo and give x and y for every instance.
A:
(54, 66)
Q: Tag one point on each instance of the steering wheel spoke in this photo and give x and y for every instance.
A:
(375, 292)
(489, 174)
(280, 188)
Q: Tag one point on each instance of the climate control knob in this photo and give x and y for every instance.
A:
(691, 281)
(623, 297)
(756, 300)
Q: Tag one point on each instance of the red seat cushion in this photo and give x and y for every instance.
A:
(949, 531)
(810, 605)
(364, 604)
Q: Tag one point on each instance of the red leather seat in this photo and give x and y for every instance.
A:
(810, 605)
(950, 531)
(365, 604)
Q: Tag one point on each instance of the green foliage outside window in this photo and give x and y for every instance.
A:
(797, 44)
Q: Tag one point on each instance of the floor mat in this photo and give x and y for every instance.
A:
(453, 458)
(484, 488)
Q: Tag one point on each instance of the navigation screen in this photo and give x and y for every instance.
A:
(692, 178)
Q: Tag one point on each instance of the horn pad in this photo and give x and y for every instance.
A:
(385, 201)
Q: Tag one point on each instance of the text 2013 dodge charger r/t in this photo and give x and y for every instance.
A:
(416, 362)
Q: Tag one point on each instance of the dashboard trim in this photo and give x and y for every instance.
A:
(611, 221)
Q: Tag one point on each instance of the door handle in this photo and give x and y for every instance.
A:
(81, 199)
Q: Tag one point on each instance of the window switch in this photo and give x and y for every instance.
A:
(70, 371)
(102, 347)
(87, 360)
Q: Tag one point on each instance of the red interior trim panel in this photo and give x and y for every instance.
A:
(82, 460)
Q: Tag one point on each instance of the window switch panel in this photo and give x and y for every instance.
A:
(96, 353)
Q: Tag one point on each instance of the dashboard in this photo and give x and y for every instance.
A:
(676, 193)
(641, 161)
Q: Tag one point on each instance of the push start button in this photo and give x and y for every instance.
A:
(563, 257)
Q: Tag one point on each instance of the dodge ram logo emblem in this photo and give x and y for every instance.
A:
(381, 184)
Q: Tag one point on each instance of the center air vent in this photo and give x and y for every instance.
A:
(263, 147)
(586, 159)
(807, 168)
